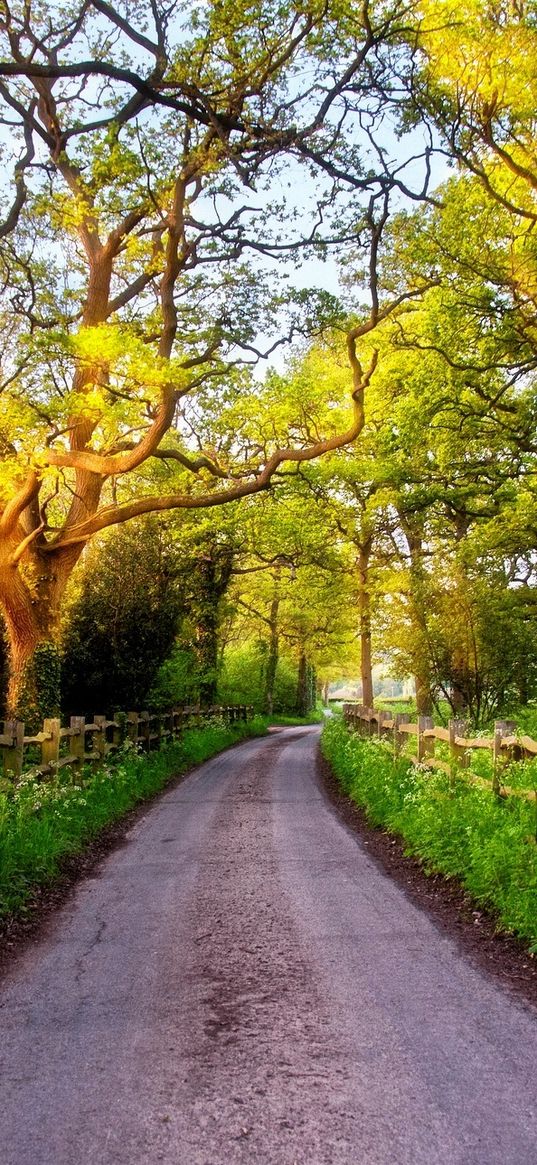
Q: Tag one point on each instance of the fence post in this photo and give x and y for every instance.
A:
(13, 753)
(399, 737)
(132, 729)
(457, 754)
(99, 737)
(116, 740)
(369, 722)
(121, 732)
(144, 720)
(50, 749)
(425, 744)
(501, 728)
(77, 725)
(382, 716)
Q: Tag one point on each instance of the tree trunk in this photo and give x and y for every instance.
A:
(458, 699)
(424, 699)
(273, 656)
(522, 685)
(23, 698)
(312, 688)
(213, 567)
(302, 684)
(413, 530)
(207, 651)
(364, 607)
(31, 616)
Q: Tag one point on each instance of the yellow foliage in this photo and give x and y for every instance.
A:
(482, 50)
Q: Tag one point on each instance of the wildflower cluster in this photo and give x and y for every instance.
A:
(454, 826)
(43, 820)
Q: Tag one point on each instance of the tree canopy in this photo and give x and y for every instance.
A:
(153, 154)
(177, 180)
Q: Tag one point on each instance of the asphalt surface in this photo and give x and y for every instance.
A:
(240, 983)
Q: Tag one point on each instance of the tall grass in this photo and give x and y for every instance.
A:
(455, 828)
(41, 823)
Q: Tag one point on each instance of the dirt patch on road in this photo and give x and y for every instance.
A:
(451, 908)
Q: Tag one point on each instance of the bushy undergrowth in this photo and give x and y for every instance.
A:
(43, 822)
(454, 827)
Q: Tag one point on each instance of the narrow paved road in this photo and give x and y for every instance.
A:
(241, 984)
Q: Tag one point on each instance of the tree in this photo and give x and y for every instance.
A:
(463, 422)
(123, 619)
(209, 566)
(300, 607)
(139, 195)
(476, 81)
(442, 468)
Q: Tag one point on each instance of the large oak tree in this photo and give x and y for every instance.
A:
(162, 159)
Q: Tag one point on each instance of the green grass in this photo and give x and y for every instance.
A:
(516, 774)
(295, 721)
(42, 823)
(395, 704)
(455, 828)
(525, 717)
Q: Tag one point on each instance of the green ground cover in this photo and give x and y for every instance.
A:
(43, 822)
(516, 775)
(455, 828)
(395, 704)
(295, 721)
(525, 718)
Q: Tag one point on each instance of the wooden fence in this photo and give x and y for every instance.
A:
(504, 745)
(91, 741)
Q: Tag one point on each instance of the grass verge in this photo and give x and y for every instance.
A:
(455, 828)
(294, 721)
(43, 823)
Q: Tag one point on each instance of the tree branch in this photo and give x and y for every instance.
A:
(116, 514)
(16, 506)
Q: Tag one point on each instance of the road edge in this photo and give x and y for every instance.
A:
(21, 929)
(502, 957)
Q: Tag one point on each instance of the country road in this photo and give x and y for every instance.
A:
(240, 983)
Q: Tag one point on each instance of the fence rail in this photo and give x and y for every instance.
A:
(504, 745)
(91, 741)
